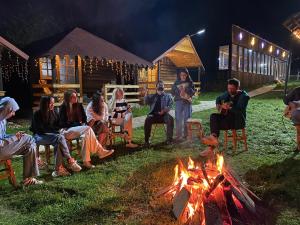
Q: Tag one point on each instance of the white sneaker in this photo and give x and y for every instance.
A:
(61, 172)
(32, 181)
(104, 153)
(88, 165)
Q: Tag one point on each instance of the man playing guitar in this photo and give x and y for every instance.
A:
(292, 111)
(232, 112)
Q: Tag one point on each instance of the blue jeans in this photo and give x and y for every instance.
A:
(183, 111)
(59, 143)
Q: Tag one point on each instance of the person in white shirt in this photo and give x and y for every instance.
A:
(121, 114)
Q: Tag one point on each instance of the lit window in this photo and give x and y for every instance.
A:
(240, 60)
(254, 63)
(223, 57)
(234, 60)
(250, 60)
(67, 70)
(262, 45)
(245, 60)
(45, 68)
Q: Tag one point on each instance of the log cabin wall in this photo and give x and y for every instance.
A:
(93, 81)
(168, 71)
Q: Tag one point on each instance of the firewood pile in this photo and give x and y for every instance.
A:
(209, 193)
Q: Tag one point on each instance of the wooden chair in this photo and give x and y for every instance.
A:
(196, 126)
(47, 152)
(75, 147)
(234, 138)
(115, 131)
(8, 172)
(156, 125)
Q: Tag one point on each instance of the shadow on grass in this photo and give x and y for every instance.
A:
(278, 184)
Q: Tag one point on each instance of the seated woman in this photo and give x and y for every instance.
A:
(72, 119)
(18, 144)
(97, 117)
(121, 114)
(45, 127)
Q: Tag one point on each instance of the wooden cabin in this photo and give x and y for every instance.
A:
(236, 52)
(181, 55)
(14, 79)
(84, 62)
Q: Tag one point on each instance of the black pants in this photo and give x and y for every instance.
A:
(221, 122)
(166, 119)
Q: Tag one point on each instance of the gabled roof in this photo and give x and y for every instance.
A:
(293, 24)
(80, 42)
(13, 48)
(182, 54)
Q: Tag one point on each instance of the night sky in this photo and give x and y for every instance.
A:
(146, 27)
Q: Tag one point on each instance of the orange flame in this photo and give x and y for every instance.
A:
(220, 162)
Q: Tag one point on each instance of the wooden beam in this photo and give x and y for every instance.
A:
(79, 70)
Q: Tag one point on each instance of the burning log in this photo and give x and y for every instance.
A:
(205, 173)
(180, 203)
(213, 186)
(212, 213)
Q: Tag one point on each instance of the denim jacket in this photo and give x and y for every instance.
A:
(166, 101)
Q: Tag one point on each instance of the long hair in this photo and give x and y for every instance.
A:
(96, 106)
(44, 108)
(184, 70)
(112, 101)
(74, 112)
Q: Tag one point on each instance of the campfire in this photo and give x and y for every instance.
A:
(209, 194)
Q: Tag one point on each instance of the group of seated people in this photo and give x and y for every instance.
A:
(50, 127)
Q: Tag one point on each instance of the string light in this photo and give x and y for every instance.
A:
(11, 64)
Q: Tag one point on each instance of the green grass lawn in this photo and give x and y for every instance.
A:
(121, 189)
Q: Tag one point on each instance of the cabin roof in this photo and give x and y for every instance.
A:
(182, 54)
(13, 48)
(81, 42)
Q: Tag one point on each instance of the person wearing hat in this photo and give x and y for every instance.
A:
(18, 144)
(160, 105)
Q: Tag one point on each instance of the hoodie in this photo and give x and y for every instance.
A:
(7, 105)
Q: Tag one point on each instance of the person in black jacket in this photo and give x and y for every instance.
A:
(72, 119)
(45, 128)
(232, 112)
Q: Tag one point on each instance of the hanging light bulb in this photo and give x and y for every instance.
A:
(240, 36)
(271, 49)
(252, 41)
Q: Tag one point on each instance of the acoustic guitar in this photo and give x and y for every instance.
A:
(290, 108)
(183, 94)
